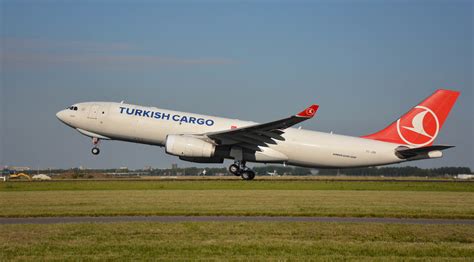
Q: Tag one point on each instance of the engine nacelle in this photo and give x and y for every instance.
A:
(188, 146)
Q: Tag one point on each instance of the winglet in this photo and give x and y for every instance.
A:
(308, 112)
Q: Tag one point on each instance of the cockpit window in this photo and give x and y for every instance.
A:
(74, 108)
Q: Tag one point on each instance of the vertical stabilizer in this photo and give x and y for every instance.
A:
(420, 126)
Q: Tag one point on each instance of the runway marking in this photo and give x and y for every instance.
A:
(169, 219)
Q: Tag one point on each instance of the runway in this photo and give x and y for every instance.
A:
(170, 219)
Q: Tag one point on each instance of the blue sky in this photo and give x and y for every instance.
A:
(364, 62)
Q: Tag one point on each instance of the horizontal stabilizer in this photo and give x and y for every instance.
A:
(405, 152)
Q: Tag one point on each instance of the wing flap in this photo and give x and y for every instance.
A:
(264, 139)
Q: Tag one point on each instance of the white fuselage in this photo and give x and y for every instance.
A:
(151, 125)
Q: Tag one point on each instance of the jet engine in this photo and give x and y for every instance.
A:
(188, 146)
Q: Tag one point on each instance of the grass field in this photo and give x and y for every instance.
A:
(237, 241)
(237, 184)
(274, 198)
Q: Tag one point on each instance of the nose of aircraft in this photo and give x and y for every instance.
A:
(61, 115)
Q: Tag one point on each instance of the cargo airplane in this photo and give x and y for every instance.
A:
(208, 139)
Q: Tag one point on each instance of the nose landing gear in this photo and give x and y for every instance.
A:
(95, 149)
(239, 169)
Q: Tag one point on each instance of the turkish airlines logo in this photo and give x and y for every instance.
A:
(419, 128)
(310, 111)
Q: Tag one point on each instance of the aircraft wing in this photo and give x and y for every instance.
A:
(253, 136)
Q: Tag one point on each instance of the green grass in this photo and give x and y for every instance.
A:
(234, 240)
(238, 202)
(237, 185)
(237, 241)
(273, 198)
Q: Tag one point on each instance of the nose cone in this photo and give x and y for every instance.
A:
(61, 115)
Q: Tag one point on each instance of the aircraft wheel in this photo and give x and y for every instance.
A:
(234, 169)
(248, 175)
(95, 151)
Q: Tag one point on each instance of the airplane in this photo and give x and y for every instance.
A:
(209, 139)
(274, 173)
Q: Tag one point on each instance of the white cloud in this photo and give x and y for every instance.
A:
(36, 54)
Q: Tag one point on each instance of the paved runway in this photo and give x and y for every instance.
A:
(168, 219)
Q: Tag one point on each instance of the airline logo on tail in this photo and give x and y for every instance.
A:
(419, 128)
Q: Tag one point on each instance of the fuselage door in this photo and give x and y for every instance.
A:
(94, 111)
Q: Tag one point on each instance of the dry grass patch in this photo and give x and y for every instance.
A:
(239, 202)
(237, 184)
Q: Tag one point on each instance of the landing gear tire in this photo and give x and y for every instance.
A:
(95, 143)
(248, 175)
(239, 169)
(234, 170)
(95, 151)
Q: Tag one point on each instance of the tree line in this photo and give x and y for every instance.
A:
(300, 171)
(276, 170)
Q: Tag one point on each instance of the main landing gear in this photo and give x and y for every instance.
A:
(239, 169)
(95, 149)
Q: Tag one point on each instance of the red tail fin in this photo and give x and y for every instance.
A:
(420, 126)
